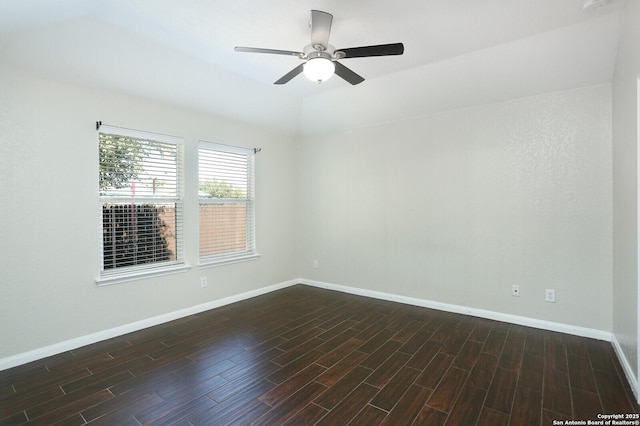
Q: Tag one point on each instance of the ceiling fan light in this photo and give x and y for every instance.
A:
(319, 69)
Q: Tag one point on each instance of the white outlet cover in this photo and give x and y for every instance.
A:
(550, 295)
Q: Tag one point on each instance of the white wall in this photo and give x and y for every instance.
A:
(49, 220)
(452, 207)
(458, 206)
(625, 187)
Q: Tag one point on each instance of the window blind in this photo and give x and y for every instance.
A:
(141, 197)
(226, 194)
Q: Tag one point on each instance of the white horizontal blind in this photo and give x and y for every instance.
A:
(140, 176)
(227, 220)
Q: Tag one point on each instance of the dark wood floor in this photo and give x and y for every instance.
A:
(304, 355)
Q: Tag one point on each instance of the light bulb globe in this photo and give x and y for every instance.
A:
(319, 69)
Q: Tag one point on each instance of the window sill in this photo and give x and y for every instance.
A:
(227, 261)
(140, 275)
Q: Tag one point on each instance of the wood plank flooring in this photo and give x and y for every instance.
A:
(304, 355)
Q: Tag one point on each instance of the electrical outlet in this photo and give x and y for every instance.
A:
(315, 264)
(550, 295)
(203, 282)
(515, 290)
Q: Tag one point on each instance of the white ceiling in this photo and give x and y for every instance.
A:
(458, 53)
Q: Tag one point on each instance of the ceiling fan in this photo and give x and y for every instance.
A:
(321, 59)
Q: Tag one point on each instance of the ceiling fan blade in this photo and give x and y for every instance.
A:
(272, 51)
(378, 50)
(320, 28)
(288, 76)
(347, 74)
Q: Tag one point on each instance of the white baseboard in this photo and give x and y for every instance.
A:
(67, 345)
(626, 367)
(497, 316)
(26, 357)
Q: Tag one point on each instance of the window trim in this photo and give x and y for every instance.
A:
(214, 263)
(240, 256)
(142, 271)
(157, 271)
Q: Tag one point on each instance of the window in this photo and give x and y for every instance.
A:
(140, 177)
(227, 222)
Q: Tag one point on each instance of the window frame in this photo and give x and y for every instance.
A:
(145, 270)
(250, 253)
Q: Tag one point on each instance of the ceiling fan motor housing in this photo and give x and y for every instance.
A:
(319, 54)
